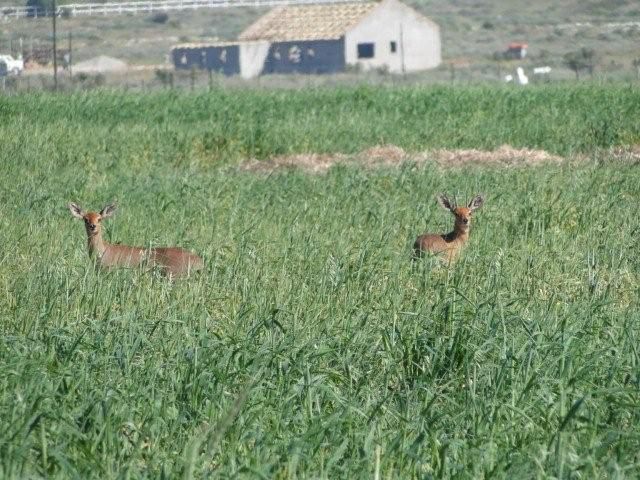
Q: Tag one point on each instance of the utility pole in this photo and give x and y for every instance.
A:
(402, 50)
(70, 58)
(55, 51)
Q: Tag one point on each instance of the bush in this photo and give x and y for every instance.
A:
(88, 81)
(583, 59)
(165, 77)
(636, 64)
(159, 17)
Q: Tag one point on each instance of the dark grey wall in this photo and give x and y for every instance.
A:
(224, 60)
(316, 56)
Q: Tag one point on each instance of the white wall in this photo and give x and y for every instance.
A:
(252, 58)
(417, 39)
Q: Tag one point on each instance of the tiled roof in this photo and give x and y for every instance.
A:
(307, 22)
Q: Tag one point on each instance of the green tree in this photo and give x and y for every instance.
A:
(579, 60)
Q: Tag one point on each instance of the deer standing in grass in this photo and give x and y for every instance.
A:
(172, 261)
(450, 244)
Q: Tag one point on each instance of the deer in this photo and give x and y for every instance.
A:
(449, 245)
(171, 261)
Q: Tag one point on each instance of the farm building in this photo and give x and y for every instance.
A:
(323, 39)
(218, 57)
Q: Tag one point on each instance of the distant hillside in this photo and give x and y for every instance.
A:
(511, 11)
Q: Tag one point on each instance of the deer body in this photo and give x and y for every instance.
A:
(449, 245)
(173, 261)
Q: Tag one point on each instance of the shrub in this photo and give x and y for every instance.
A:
(88, 81)
(159, 17)
(636, 64)
(165, 77)
(583, 59)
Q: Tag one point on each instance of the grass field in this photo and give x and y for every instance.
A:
(312, 347)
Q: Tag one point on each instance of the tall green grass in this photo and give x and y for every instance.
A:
(311, 347)
(228, 125)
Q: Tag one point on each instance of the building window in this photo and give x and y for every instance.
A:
(365, 50)
(393, 46)
(294, 54)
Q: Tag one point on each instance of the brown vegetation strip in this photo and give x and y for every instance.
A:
(630, 154)
(392, 155)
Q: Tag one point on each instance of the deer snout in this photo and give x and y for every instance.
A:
(465, 221)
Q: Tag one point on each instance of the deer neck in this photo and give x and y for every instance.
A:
(97, 246)
(458, 235)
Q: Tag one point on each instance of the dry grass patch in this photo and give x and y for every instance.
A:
(392, 155)
(310, 162)
(505, 155)
(629, 154)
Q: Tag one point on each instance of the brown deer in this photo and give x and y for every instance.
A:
(172, 261)
(450, 244)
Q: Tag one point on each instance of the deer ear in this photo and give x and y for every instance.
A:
(445, 202)
(76, 211)
(108, 211)
(476, 203)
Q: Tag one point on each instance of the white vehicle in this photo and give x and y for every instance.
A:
(13, 66)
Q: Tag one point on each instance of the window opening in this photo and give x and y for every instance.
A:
(366, 50)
